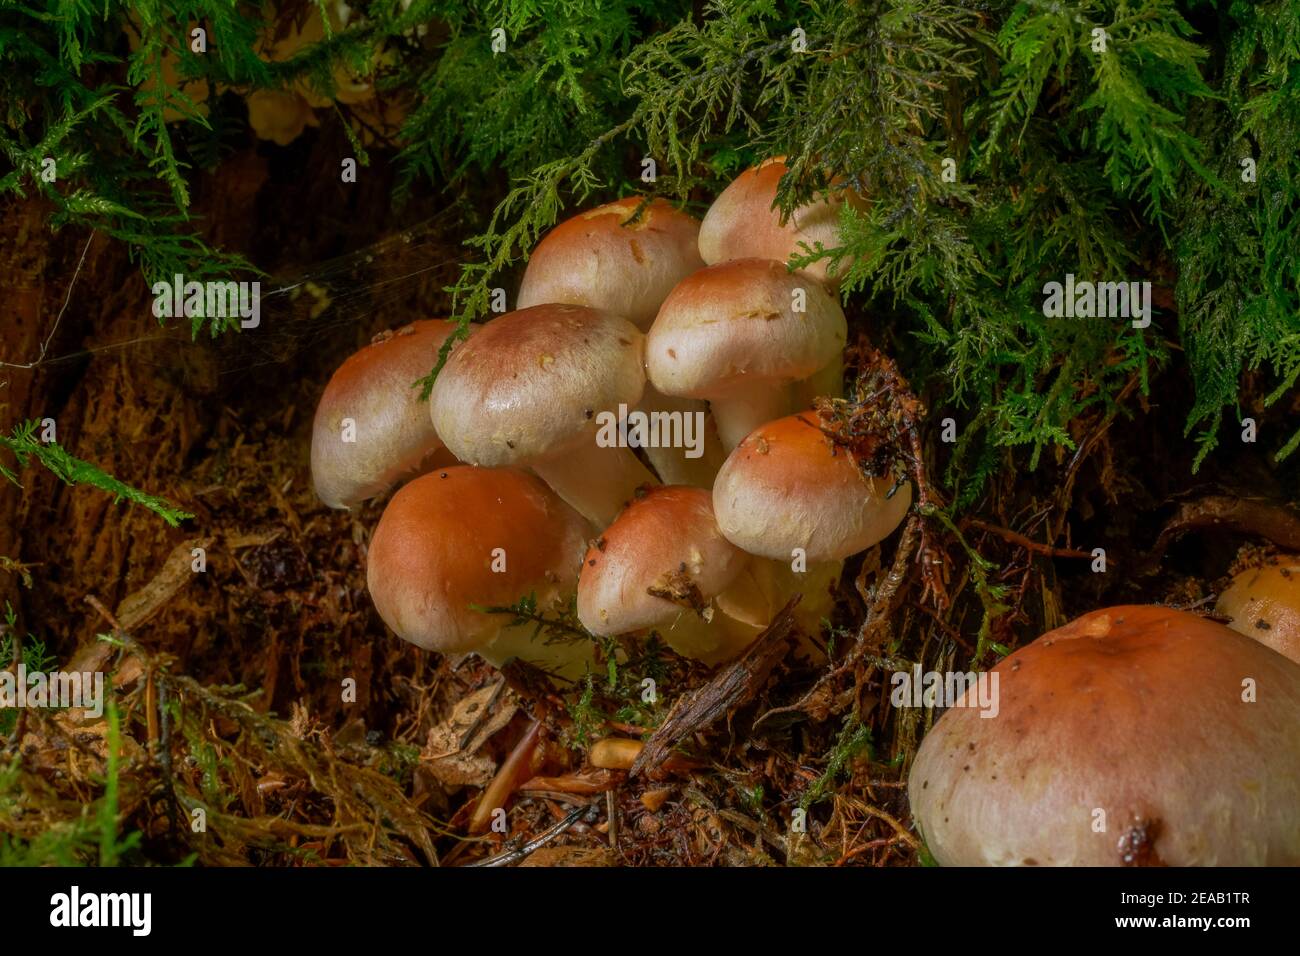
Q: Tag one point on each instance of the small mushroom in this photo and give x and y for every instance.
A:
(738, 335)
(487, 537)
(529, 388)
(788, 494)
(1133, 735)
(789, 486)
(660, 565)
(390, 436)
(606, 259)
(745, 223)
(1264, 603)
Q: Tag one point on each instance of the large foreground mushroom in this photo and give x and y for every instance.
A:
(1133, 735)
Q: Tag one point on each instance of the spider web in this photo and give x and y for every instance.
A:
(399, 278)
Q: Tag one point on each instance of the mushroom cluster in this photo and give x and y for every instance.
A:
(533, 485)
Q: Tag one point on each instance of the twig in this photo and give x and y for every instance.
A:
(483, 711)
(586, 814)
(729, 689)
(1027, 543)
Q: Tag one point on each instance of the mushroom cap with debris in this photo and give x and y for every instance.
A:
(606, 259)
(744, 223)
(662, 557)
(1134, 735)
(789, 486)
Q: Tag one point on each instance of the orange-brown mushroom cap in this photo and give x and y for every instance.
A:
(528, 385)
(743, 223)
(1132, 735)
(435, 552)
(393, 434)
(788, 486)
(1264, 603)
(605, 259)
(737, 324)
(665, 541)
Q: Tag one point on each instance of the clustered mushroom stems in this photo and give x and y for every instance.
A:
(597, 481)
(746, 406)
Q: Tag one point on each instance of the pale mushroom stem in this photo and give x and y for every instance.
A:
(767, 584)
(828, 383)
(596, 481)
(712, 641)
(677, 460)
(567, 659)
(745, 407)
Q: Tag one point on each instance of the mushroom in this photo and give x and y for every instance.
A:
(390, 435)
(606, 259)
(625, 257)
(278, 115)
(738, 335)
(1264, 603)
(529, 387)
(460, 538)
(786, 487)
(1134, 735)
(744, 222)
(660, 565)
